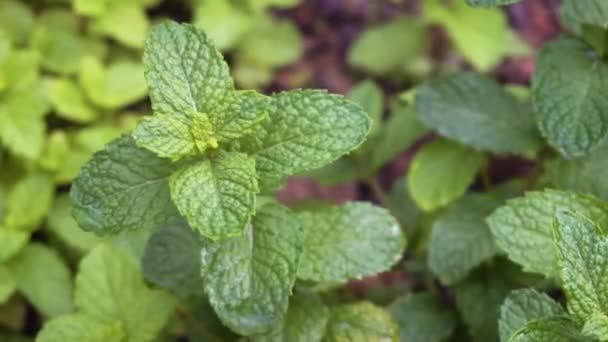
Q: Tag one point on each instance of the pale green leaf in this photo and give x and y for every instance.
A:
(124, 21)
(61, 51)
(305, 130)
(596, 327)
(360, 322)
(81, 328)
(61, 223)
(554, 329)
(478, 112)
(582, 258)
(184, 70)
(172, 258)
(430, 185)
(110, 289)
(567, 88)
(249, 278)
(89, 7)
(271, 43)
(370, 97)
(29, 201)
(8, 284)
(11, 242)
(422, 317)
(461, 240)
(216, 195)
(576, 13)
(224, 21)
(351, 241)
(238, 113)
(123, 187)
(522, 227)
(305, 321)
(55, 152)
(44, 279)
(70, 102)
(523, 306)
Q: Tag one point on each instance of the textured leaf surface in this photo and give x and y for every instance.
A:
(172, 258)
(478, 112)
(568, 96)
(81, 328)
(109, 288)
(596, 327)
(554, 329)
(124, 21)
(583, 262)
(248, 278)
(44, 279)
(60, 50)
(522, 227)
(523, 306)
(360, 322)
(305, 130)
(422, 318)
(271, 43)
(168, 136)
(349, 242)
(461, 239)
(370, 97)
(238, 114)
(305, 321)
(217, 195)
(430, 185)
(122, 187)
(184, 70)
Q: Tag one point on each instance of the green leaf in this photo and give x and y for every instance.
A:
(478, 300)
(23, 212)
(16, 19)
(491, 2)
(305, 321)
(124, 21)
(596, 327)
(11, 242)
(359, 322)
(8, 284)
(61, 51)
(167, 136)
(522, 227)
(123, 187)
(461, 240)
(568, 71)
(20, 70)
(430, 186)
(110, 289)
(351, 241)
(554, 329)
(581, 12)
(217, 195)
(114, 86)
(81, 328)
(370, 97)
(271, 43)
(523, 306)
(387, 48)
(61, 223)
(248, 278)
(89, 7)
(44, 279)
(482, 35)
(477, 111)
(305, 129)
(185, 72)
(582, 257)
(422, 317)
(238, 114)
(70, 102)
(224, 22)
(172, 258)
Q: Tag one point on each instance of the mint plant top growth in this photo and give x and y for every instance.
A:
(192, 173)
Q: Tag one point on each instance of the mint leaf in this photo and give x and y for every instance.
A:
(184, 70)
(305, 129)
(590, 12)
(596, 327)
(523, 306)
(44, 279)
(217, 195)
(567, 70)
(478, 112)
(21, 211)
(166, 135)
(491, 2)
(257, 267)
(305, 321)
(461, 239)
(8, 284)
(427, 181)
(172, 258)
(370, 97)
(279, 37)
(82, 328)
(124, 21)
(362, 321)
(123, 187)
(582, 253)
(70, 102)
(554, 329)
(422, 317)
(238, 113)
(61, 223)
(16, 19)
(224, 22)
(11, 242)
(351, 241)
(109, 289)
(522, 227)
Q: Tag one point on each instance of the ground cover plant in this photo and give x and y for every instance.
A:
(153, 154)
